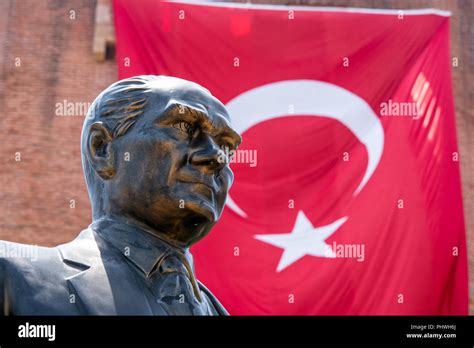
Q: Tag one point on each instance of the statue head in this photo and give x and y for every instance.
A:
(153, 155)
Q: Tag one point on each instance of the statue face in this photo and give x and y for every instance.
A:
(171, 173)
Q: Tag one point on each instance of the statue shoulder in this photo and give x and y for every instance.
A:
(24, 257)
(10, 251)
(17, 265)
(32, 280)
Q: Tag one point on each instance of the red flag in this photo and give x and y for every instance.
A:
(347, 194)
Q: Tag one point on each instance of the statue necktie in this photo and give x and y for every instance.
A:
(174, 286)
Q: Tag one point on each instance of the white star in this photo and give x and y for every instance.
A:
(303, 240)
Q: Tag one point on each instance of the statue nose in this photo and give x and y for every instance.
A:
(211, 158)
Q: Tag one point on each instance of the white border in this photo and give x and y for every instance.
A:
(424, 11)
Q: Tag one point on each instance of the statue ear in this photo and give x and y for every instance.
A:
(100, 150)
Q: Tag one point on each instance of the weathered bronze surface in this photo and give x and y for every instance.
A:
(157, 175)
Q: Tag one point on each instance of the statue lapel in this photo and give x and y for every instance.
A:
(214, 301)
(100, 291)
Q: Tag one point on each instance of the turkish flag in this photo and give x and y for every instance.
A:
(347, 193)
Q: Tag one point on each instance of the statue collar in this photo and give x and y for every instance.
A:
(144, 249)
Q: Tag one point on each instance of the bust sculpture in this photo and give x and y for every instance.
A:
(152, 150)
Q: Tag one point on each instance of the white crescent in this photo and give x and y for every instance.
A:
(315, 98)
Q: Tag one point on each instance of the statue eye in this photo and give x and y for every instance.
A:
(185, 127)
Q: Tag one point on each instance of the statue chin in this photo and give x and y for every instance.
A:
(202, 212)
(187, 226)
(198, 224)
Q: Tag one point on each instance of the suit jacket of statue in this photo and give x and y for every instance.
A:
(106, 270)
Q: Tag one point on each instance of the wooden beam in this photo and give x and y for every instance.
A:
(104, 32)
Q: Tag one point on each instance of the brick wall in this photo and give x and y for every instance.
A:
(46, 58)
(57, 64)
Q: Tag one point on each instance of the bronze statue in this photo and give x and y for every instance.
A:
(152, 149)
